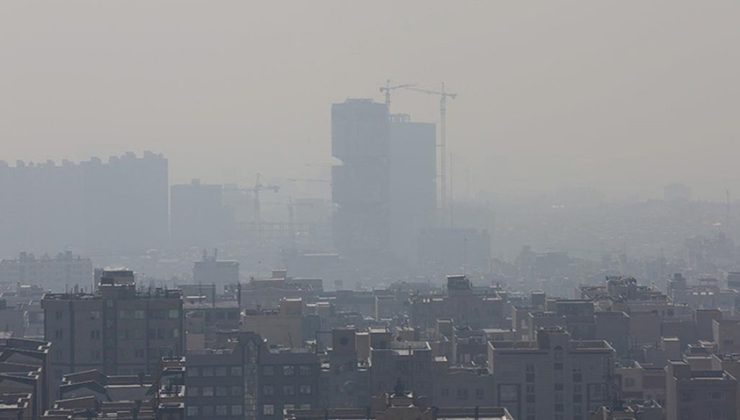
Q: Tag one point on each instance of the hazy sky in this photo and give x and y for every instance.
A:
(618, 95)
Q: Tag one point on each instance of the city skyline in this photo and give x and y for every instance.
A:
(539, 105)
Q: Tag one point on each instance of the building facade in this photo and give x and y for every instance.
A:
(59, 273)
(118, 330)
(552, 378)
(361, 183)
(49, 206)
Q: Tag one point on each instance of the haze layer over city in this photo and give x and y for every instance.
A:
(380, 210)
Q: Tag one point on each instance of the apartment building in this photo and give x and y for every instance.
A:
(117, 330)
(248, 380)
(553, 377)
(693, 393)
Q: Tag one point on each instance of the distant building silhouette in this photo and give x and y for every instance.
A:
(212, 271)
(384, 190)
(360, 184)
(413, 186)
(82, 206)
(64, 271)
(198, 215)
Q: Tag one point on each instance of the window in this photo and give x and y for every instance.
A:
(236, 371)
(193, 372)
(175, 333)
(236, 410)
(222, 391)
(288, 390)
(173, 313)
(288, 406)
(139, 314)
(192, 411)
(479, 393)
(577, 376)
(530, 389)
(268, 390)
(220, 371)
(236, 390)
(531, 398)
(305, 390)
(595, 392)
(222, 410)
(207, 411)
(304, 407)
(207, 371)
(95, 334)
(207, 391)
(559, 387)
(304, 370)
(462, 393)
(94, 315)
(268, 370)
(58, 315)
(717, 395)
(268, 409)
(558, 366)
(288, 370)
(58, 334)
(139, 353)
(508, 393)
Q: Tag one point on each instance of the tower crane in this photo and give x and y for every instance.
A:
(443, 95)
(258, 187)
(388, 88)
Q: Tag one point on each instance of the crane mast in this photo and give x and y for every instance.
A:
(388, 88)
(443, 188)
